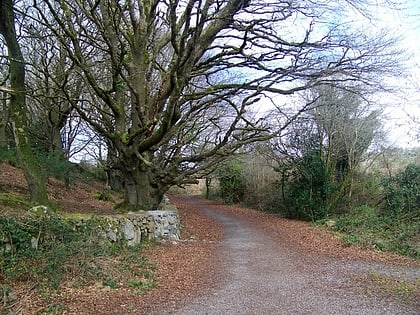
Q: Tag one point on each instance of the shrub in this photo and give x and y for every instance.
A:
(363, 225)
(94, 171)
(37, 247)
(307, 193)
(8, 156)
(264, 198)
(367, 190)
(232, 182)
(402, 192)
(55, 166)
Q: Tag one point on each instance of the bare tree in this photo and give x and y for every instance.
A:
(347, 126)
(17, 105)
(4, 96)
(154, 71)
(321, 150)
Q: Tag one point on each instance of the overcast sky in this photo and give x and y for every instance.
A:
(404, 107)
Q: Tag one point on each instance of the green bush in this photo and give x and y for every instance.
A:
(232, 182)
(402, 192)
(8, 156)
(367, 190)
(93, 171)
(307, 193)
(55, 166)
(37, 248)
(362, 218)
(363, 225)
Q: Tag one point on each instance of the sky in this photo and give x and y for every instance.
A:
(402, 109)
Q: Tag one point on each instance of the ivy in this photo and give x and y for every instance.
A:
(402, 192)
(232, 182)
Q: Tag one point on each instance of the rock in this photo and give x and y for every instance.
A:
(7, 294)
(133, 227)
(34, 243)
(165, 200)
(330, 223)
(131, 232)
(40, 211)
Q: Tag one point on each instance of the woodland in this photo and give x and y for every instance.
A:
(271, 104)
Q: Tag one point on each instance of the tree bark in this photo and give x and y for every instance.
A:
(18, 110)
(141, 190)
(4, 140)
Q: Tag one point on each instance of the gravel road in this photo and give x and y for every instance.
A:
(263, 276)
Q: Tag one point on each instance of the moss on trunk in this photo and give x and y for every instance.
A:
(17, 106)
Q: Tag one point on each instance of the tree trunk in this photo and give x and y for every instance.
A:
(4, 120)
(141, 190)
(18, 110)
(208, 186)
(56, 145)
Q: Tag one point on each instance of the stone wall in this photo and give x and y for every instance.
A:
(134, 227)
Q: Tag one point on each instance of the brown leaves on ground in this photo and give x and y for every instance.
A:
(185, 268)
(78, 197)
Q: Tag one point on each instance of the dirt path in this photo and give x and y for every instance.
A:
(264, 275)
(233, 260)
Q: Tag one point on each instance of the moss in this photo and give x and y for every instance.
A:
(394, 286)
(125, 207)
(105, 195)
(119, 108)
(125, 137)
(14, 201)
(167, 207)
(76, 216)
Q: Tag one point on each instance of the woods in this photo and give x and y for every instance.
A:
(272, 103)
(166, 90)
(17, 108)
(110, 106)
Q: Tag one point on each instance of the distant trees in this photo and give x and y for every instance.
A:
(348, 127)
(232, 181)
(319, 152)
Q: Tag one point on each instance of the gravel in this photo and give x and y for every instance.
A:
(265, 272)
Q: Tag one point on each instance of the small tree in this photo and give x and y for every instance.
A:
(347, 127)
(17, 104)
(320, 150)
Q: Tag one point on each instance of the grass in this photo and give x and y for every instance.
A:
(363, 226)
(14, 201)
(408, 292)
(141, 286)
(67, 255)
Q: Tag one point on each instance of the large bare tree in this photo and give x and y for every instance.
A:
(170, 84)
